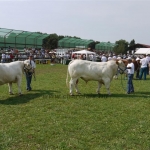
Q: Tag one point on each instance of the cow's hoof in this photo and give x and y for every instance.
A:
(20, 94)
(10, 93)
(71, 94)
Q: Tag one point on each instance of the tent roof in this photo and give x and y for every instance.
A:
(83, 52)
(143, 51)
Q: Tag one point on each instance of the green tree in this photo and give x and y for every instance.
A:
(121, 47)
(51, 41)
(60, 37)
(132, 43)
(91, 45)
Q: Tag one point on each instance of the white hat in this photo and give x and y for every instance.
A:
(119, 57)
(137, 59)
(129, 58)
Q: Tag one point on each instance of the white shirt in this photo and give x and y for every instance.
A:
(3, 56)
(119, 58)
(7, 56)
(130, 71)
(103, 59)
(144, 62)
(114, 57)
(33, 64)
(148, 58)
(109, 58)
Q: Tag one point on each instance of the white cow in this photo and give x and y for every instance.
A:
(12, 73)
(102, 72)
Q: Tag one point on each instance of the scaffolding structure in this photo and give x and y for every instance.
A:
(20, 39)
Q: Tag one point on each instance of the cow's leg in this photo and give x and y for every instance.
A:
(19, 85)
(10, 88)
(107, 85)
(72, 84)
(76, 87)
(99, 86)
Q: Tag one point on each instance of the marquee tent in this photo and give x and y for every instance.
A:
(141, 51)
(84, 52)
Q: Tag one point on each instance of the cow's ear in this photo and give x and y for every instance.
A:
(125, 61)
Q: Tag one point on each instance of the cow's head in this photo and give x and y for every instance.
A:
(121, 66)
(27, 66)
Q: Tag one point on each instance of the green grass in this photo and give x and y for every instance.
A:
(47, 118)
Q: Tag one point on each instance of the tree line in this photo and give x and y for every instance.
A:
(122, 46)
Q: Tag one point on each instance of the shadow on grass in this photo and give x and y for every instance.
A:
(28, 96)
(132, 95)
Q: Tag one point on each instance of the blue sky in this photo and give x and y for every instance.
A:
(99, 20)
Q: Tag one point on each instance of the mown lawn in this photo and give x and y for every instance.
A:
(47, 118)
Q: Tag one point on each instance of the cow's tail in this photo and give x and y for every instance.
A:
(67, 78)
(68, 74)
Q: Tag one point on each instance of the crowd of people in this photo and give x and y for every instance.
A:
(42, 54)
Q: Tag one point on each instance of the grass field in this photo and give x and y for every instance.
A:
(47, 118)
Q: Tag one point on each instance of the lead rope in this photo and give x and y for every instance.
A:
(122, 84)
(34, 76)
(33, 72)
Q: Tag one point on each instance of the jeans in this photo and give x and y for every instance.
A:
(28, 80)
(147, 69)
(3, 60)
(130, 87)
(137, 73)
(143, 71)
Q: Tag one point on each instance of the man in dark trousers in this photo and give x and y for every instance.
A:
(30, 72)
(130, 69)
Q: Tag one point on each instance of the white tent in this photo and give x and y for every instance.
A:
(141, 51)
(84, 52)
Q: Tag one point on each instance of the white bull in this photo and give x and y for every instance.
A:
(102, 72)
(12, 73)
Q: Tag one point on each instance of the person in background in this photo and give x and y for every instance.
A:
(109, 57)
(103, 58)
(130, 69)
(144, 62)
(138, 67)
(148, 58)
(3, 60)
(29, 73)
(114, 56)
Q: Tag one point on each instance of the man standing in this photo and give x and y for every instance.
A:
(103, 58)
(144, 62)
(130, 69)
(148, 58)
(3, 60)
(138, 67)
(30, 72)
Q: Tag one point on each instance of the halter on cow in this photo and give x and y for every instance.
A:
(29, 69)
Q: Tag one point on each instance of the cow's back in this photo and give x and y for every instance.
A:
(92, 70)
